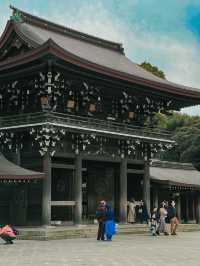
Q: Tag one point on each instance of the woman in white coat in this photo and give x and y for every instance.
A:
(131, 211)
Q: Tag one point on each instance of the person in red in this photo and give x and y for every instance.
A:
(7, 234)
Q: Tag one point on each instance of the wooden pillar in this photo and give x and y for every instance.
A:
(178, 207)
(187, 206)
(198, 207)
(123, 192)
(46, 195)
(193, 207)
(146, 186)
(155, 198)
(78, 190)
(17, 156)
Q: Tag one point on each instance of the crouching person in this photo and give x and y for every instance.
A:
(7, 234)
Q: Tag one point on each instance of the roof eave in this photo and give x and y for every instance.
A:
(11, 27)
(50, 47)
(43, 23)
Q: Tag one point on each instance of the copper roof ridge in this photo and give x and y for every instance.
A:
(46, 24)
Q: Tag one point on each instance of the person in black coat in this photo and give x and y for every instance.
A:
(145, 215)
(101, 215)
(172, 213)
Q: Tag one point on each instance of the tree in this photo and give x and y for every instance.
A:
(153, 69)
(184, 129)
(186, 132)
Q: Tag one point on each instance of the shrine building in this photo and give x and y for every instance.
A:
(73, 110)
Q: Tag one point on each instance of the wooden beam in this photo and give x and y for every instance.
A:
(135, 171)
(65, 166)
(63, 203)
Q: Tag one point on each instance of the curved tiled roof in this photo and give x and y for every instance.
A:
(9, 170)
(177, 174)
(105, 55)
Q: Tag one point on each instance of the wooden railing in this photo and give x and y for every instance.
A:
(34, 119)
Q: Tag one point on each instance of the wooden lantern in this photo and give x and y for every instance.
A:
(70, 104)
(44, 100)
(131, 115)
(92, 108)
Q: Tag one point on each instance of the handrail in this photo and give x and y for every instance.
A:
(93, 123)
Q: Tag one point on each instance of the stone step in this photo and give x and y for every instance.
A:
(86, 231)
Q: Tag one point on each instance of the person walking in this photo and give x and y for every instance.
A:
(162, 216)
(140, 211)
(154, 221)
(109, 223)
(145, 214)
(173, 217)
(100, 215)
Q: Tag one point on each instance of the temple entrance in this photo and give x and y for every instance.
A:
(18, 206)
(13, 204)
(62, 195)
(100, 182)
(134, 186)
(5, 197)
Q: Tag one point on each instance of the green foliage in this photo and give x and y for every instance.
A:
(186, 132)
(184, 128)
(153, 69)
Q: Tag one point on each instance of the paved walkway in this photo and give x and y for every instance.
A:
(183, 249)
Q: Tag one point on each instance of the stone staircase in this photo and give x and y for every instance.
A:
(86, 231)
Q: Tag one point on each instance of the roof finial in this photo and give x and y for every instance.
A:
(16, 15)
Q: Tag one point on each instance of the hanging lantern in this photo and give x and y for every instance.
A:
(44, 100)
(70, 104)
(131, 115)
(92, 108)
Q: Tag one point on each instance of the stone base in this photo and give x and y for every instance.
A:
(86, 231)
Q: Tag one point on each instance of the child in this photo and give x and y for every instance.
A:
(154, 223)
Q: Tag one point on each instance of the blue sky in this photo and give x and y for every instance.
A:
(165, 33)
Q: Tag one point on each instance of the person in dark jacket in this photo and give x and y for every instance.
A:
(173, 217)
(100, 215)
(145, 215)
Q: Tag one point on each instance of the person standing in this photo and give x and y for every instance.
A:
(100, 215)
(109, 223)
(131, 211)
(154, 221)
(140, 211)
(162, 216)
(145, 214)
(173, 217)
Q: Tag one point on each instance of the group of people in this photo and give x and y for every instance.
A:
(159, 217)
(8, 233)
(137, 211)
(163, 216)
(105, 218)
(159, 220)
